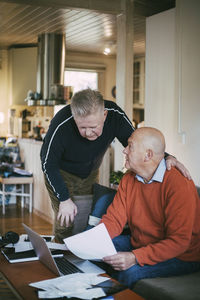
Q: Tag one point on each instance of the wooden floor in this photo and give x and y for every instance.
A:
(15, 216)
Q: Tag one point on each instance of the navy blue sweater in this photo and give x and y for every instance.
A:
(64, 148)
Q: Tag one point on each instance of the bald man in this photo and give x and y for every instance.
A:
(162, 209)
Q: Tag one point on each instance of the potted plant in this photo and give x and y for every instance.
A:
(115, 177)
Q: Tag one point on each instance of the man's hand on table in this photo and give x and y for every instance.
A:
(66, 213)
(121, 261)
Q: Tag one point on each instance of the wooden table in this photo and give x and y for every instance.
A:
(19, 275)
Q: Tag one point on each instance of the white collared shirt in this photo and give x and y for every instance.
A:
(158, 175)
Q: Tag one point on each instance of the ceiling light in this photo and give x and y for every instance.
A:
(106, 51)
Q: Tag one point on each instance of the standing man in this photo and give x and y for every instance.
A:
(162, 210)
(73, 149)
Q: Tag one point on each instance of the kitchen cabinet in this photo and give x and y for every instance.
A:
(23, 71)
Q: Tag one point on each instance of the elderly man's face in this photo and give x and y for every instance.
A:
(91, 126)
(134, 154)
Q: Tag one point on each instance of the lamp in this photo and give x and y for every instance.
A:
(109, 48)
(106, 51)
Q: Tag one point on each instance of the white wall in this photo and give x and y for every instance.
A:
(160, 74)
(23, 72)
(17, 76)
(172, 80)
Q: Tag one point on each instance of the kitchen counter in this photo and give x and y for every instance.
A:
(30, 154)
(30, 141)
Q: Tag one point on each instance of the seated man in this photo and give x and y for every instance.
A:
(162, 209)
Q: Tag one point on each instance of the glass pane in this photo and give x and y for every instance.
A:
(137, 68)
(80, 80)
(136, 96)
(136, 81)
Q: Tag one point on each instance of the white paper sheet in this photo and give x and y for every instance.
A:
(78, 285)
(56, 246)
(91, 244)
(22, 172)
(86, 294)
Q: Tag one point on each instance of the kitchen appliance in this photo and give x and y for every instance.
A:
(50, 71)
(68, 92)
(57, 92)
(50, 67)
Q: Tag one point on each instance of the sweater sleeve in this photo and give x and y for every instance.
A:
(178, 218)
(51, 153)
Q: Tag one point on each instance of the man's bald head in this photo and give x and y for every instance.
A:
(150, 138)
(145, 150)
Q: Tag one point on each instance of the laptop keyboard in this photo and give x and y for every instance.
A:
(65, 266)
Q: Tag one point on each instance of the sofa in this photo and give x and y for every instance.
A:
(185, 287)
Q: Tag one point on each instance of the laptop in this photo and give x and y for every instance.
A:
(64, 265)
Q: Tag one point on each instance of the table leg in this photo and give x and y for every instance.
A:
(3, 198)
(31, 197)
(22, 197)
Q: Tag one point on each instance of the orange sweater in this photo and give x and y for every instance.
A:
(164, 218)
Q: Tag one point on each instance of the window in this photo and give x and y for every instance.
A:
(80, 80)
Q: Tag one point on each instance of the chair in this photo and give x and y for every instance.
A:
(21, 181)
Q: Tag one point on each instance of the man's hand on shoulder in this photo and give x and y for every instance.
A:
(66, 213)
(121, 261)
(173, 162)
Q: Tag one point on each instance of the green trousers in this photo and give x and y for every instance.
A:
(76, 187)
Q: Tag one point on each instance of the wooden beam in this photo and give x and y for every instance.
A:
(103, 6)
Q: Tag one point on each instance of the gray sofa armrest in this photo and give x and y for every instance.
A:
(185, 287)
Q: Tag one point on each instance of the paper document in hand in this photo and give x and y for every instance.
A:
(22, 172)
(91, 244)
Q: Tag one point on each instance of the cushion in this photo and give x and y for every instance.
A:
(84, 205)
(185, 287)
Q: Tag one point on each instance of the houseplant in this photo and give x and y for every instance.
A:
(115, 177)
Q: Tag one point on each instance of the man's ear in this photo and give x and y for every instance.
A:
(105, 113)
(148, 155)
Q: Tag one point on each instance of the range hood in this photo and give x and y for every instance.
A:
(50, 70)
(51, 62)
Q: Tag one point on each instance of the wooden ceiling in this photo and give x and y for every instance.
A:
(89, 26)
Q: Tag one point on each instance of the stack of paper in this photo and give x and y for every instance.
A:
(80, 285)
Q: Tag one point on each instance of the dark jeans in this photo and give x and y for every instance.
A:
(171, 267)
